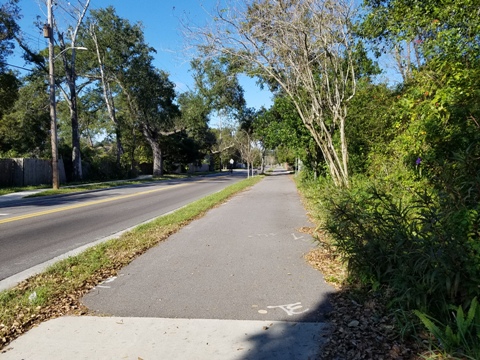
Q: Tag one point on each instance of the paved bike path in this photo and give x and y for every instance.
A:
(232, 285)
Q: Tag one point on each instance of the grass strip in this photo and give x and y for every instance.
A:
(76, 187)
(58, 290)
(104, 185)
(9, 190)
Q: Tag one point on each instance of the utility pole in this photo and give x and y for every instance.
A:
(53, 111)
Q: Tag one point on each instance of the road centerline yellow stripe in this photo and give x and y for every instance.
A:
(90, 203)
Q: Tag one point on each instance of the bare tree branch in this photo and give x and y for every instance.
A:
(304, 47)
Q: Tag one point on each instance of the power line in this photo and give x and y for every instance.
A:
(18, 67)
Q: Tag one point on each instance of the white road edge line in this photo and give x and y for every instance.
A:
(14, 280)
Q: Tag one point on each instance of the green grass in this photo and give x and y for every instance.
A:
(57, 291)
(9, 190)
(88, 186)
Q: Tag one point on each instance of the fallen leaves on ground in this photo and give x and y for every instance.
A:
(358, 330)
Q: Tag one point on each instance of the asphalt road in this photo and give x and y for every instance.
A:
(34, 231)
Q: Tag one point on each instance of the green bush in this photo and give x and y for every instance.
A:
(461, 335)
(415, 243)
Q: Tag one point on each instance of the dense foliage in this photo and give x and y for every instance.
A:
(409, 223)
(127, 116)
(400, 202)
(9, 84)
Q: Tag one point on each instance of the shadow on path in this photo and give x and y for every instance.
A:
(301, 339)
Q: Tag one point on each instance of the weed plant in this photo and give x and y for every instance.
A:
(417, 243)
(461, 334)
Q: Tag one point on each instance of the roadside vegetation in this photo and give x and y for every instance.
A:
(396, 195)
(109, 184)
(377, 108)
(407, 228)
(87, 186)
(10, 190)
(58, 290)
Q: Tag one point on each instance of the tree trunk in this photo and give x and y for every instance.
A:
(108, 97)
(76, 155)
(132, 153)
(70, 73)
(120, 151)
(71, 98)
(157, 158)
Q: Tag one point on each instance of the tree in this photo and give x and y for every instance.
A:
(24, 129)
(95, 123)
(151, 100)
(423, 31)
(281, 128)
(222, 146)
(306, 48)
(180, 149)
(249, 123)
(126, 75)
(68, 54)
(195, 115)
(246, 146)
(217, 83)
(218, 91)
(371, 120)
(9, 13)
(436, 115)
(115, 42)
(9, 85)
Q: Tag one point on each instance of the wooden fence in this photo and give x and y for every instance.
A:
(25, 172)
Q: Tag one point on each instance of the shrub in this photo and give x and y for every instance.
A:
(461, 334)
(416, 243)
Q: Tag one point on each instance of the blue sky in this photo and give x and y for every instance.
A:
(161, 23)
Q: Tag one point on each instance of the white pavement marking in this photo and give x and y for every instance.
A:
(157, 338)
(290, 308)
(109, 280)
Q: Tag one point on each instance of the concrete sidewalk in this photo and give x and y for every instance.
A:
(232, 285)
(4, 199)
(89, 338)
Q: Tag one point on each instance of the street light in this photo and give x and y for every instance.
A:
(69, 48)
(48, 33)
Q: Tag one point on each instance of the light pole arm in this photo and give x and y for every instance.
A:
(69, 48)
